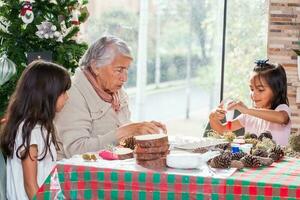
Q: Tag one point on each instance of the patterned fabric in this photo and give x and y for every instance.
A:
(279, 181)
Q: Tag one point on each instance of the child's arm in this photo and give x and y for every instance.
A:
(275, 116)
(29, 165)
(215, 123)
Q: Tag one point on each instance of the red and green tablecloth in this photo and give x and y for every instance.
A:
(279, 181)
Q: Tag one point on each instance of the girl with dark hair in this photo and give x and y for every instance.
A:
(270, 111)
(28, 136)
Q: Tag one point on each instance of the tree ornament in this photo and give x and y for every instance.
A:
(47, 30)
(7, 69)
(53, 1)
(53, 28)
(75, 17)
(26, 13)
(4, 25)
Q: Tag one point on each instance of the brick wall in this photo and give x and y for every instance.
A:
(284, 32)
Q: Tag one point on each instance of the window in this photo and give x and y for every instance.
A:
(184, 42)
(246, 41)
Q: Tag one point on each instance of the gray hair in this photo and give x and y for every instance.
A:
(104, 51)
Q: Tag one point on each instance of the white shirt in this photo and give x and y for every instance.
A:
(15, 180)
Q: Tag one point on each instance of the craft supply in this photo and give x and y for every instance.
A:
(183, 160)
(108, 155)
(151, 150)
(123, 153)
(235, 148)
(246, 148)
(229, 114)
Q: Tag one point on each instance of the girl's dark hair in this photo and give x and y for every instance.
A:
(34, 103)
(275, 76)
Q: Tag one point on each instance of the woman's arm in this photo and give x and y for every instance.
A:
(275, 116)
(29, 165)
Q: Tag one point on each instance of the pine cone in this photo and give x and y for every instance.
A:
(238, 155)
(223, 146)
(251, 141)
(260, 153)
(294, 141)
(222, 161)
(237, 164)
(266, 144)
(265, 161)
(266, 134)
(251, 161)
(276, 153)
(253, 136)
(201, 150)
(128, 143)
(229, 136)
(247, 136)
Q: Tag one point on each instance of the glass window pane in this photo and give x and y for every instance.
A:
(182, 36)
(246, 41)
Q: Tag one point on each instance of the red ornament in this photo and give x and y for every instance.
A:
(27, 6)
(75, 17)
(26, 13)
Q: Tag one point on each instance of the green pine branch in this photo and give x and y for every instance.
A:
(74, 30)
(21, 39)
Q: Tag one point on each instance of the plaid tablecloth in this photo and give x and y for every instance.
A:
(279, 181)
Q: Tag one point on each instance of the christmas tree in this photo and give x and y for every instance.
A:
(32, 27)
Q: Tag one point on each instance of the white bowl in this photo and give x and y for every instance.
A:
(246, 148)
(183, 160)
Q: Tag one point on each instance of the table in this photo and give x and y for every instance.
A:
(279, 181)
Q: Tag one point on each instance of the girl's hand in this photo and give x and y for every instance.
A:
(218, 113)
(238, 105)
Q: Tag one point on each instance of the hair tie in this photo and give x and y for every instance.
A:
(261, 63)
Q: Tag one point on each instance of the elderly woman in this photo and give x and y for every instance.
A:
(97, 114)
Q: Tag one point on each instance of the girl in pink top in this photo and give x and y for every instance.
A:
(270, 111)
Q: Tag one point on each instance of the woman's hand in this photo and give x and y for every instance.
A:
(161, 126)
(140, 128)
(238, 105)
